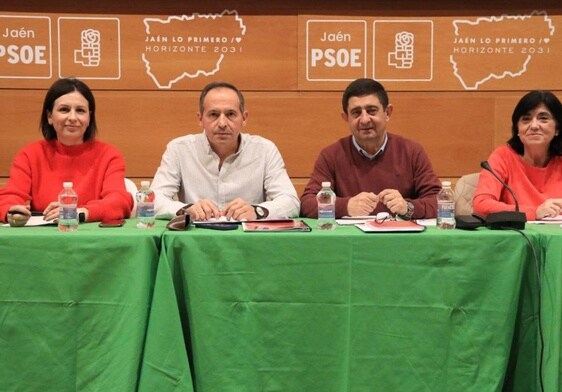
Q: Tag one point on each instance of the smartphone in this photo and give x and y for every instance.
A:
(112, 223)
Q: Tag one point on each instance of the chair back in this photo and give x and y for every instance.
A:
(132, 189)
(464, 191)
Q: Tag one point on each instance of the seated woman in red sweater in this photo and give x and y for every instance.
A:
(69, 152)
(531, 163)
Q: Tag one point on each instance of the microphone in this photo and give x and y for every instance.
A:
(504, 219)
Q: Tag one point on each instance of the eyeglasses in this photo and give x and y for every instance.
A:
(384, 217)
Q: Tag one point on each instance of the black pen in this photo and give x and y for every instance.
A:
(33, 213)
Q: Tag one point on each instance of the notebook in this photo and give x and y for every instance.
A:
(275, 226)
(390, 226)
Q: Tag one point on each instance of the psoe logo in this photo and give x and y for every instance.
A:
(403, 55)
(25, 47)
(89, 52)
(336, 50)
(89, 48)
(403, 50)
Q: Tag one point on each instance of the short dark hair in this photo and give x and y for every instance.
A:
(529, 102)
(362, 87)
(214, 85)
(58, 89)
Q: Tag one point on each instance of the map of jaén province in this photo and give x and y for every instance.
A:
(180, 47)
(498, 47)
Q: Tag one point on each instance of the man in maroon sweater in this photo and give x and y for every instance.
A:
(373, 170)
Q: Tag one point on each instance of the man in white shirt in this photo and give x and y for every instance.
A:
(223, 172)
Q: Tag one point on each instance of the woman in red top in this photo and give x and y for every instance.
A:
(531, 163)
(68, 152)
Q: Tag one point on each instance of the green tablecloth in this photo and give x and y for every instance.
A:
(551, 295)
(349, 311)
(74, 308)
(127, 309)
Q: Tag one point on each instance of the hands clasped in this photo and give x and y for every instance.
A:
(237, 209)
(549, 208)
(365, 203)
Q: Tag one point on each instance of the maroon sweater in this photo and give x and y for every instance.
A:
(403, 166)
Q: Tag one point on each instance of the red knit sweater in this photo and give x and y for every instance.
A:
(403, 166)
(97, 170)
(531, 185)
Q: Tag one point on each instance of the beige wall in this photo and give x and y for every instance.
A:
(458, 125)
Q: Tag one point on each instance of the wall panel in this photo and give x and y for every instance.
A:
(458, 114)
(457, 131)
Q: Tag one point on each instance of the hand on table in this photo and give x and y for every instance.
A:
(18, 215)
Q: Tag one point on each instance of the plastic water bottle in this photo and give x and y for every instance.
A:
(68, 208)
(145, 206)
(446, 207)
(326, 207)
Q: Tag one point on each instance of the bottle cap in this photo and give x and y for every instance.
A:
(145, 183)
(326, 184)
(446, 183)
(67, 184)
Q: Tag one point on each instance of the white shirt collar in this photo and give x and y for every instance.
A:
(365, 153)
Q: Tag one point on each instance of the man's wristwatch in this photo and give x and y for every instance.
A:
(261, 212)
(409, 213)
